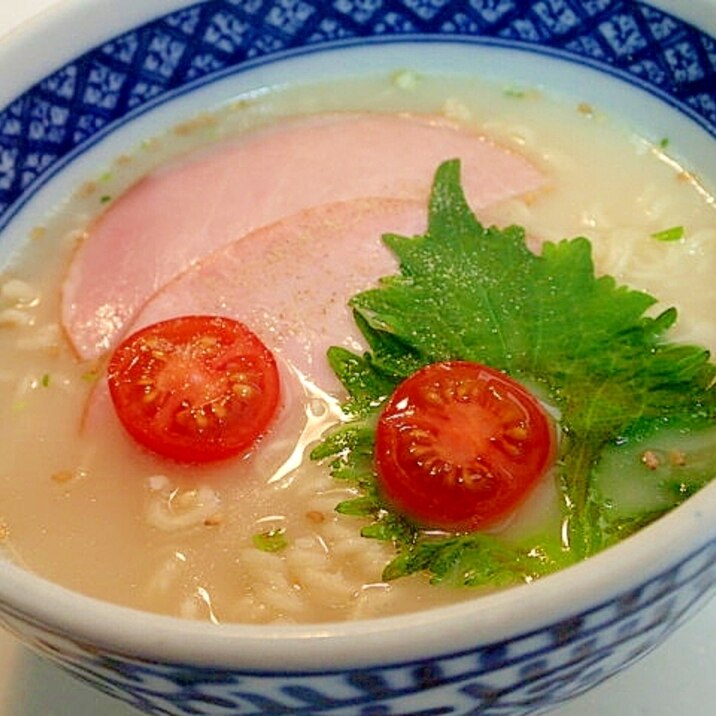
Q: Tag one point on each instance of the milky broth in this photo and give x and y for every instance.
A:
(105, 518)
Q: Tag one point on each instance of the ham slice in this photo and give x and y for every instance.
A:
(174, 217)
(290, 281)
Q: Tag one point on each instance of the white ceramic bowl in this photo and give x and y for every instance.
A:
(110, 73)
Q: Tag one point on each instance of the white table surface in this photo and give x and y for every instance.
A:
(677, 679)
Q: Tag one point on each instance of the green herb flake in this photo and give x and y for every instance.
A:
(271, 541)
(675, 233)
(105, 199)
(514, 92)
(664, 142)
(45, 380)
(90, 376)
(467, 292)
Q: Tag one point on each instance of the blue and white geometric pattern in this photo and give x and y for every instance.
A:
(526, 675)
(152, 63)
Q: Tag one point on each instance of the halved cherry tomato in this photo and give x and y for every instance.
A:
(460, 445)
(195, 388)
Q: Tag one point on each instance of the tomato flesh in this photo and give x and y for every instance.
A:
(460, 445)
(194, 388)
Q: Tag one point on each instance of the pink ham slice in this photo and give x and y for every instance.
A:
(290, 282)
(172, 218)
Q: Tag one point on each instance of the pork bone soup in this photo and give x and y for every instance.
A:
(271, 212)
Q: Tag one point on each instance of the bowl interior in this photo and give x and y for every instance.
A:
(657, 80)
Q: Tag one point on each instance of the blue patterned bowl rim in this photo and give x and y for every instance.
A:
(518, 611)
(681, 76)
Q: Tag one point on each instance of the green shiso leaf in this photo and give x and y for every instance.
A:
(476, 560)
(584, 343)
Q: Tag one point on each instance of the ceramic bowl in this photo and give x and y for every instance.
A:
(109, 73)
